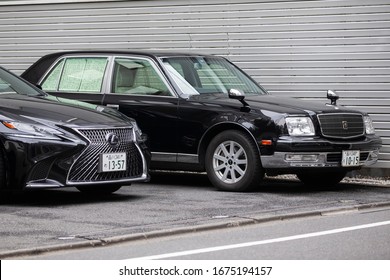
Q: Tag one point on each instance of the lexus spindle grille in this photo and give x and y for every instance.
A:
(86, 167)
(341, 126)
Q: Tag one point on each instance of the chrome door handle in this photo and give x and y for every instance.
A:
(114, 106)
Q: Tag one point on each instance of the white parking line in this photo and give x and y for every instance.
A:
(262, 242)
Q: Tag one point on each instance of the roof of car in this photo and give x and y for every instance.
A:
(36, 70)
(127, 52)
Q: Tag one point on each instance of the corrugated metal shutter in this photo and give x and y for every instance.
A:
(293, 48)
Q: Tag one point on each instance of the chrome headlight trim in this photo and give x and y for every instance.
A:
(300, 126)
(369, 126)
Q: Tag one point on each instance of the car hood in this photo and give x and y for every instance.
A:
(49, 109)
(272, 103)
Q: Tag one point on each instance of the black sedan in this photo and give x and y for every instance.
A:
(52, 142)
(203, 113)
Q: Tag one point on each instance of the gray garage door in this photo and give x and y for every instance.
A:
(293, 48)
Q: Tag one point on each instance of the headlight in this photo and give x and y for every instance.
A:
(300, 126)
(368, 125)
(32, 130)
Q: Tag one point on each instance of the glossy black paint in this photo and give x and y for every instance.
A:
(39, 161)
(180, 127)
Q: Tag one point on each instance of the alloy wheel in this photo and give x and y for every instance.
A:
(230, 162)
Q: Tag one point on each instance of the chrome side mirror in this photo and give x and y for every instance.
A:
(236, 94)
(239, 95)
(332, 96)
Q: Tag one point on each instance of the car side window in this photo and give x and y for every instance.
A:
(51, 81)
(77, 74)
(137, 76)
(208, 75)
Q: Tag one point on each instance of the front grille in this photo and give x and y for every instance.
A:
(85, 169)
(341, 126)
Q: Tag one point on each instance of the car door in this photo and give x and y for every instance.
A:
(138, 89)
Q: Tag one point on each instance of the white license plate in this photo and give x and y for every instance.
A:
(350, 158)
(112, 162)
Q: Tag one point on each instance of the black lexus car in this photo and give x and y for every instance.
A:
(203, 113)
(52, 142)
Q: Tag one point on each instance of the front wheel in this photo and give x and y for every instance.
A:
(233, 162)
(323, 179)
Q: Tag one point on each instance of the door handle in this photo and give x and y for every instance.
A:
(114, 106)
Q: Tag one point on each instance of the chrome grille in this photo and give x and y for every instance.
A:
(85, 169)
(342, 126)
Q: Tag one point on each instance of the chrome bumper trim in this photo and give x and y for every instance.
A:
(278, 160)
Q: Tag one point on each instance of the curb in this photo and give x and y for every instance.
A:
(191, 229)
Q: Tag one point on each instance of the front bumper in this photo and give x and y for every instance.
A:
(286, 160)
(40, 163)
(293, 153)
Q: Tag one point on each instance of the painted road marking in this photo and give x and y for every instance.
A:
(262, 242)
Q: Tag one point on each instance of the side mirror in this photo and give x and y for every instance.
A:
(236, 94)
(332, 96)
(239, 95)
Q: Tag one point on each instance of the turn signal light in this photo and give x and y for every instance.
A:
(266, 142)
(9, 125)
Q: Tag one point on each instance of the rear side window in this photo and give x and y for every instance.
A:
(77, 74)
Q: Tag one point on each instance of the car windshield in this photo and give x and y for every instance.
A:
(11, 84)
(209, 74)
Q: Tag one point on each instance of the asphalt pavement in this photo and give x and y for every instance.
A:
(39, 222)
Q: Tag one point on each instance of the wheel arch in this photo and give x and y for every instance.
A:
(215, 130)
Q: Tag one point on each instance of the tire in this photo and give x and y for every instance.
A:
(98, 190)
(323, 179)
(233, 162)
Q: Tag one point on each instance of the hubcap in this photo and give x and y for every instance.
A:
(230, 162)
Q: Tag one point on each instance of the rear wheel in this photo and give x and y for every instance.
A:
(98, 190)
(233, 162)
(328, 179)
